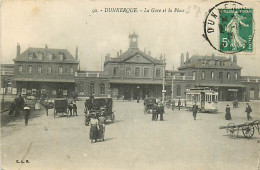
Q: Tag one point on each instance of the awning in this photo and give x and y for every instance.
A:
(58, 80)
(220, 85)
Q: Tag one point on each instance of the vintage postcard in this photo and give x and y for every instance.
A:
(130, 85)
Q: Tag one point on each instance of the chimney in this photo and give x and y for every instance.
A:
(144, 50)
(149, 52)
(117, 54)
(18, 49)
(76, 54)
(187, 56)
(182, 59)
(120, 52)
(172, 67)
(235, 59)
(46, 47)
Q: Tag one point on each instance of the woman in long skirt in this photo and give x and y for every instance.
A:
(228, 114)
(94, 128)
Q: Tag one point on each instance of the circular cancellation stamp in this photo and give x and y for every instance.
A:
(229, 27)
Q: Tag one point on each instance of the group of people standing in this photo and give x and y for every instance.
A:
(158, 109)
(97, 127)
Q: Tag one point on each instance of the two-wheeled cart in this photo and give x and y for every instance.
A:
(248, 129)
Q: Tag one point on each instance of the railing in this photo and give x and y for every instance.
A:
(253, 80)
(181, 77)
(3, 72)
(87, 74)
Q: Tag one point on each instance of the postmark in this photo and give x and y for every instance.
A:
(229, 28)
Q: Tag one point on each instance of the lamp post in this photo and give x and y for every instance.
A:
(163, 91)
(172, 89)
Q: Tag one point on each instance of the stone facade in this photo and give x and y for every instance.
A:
(44, 70)
(129, 75)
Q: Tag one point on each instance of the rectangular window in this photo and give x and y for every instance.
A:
(60, 70)
(146, 72)
(116, 71)
(20, 69)
(137, 72)
(158, 72)
(236, 76)
(128, 71)
(30, 56)
(220, 75)
(202, 75)
(49, 70)
(194, 75)
(212, 75)
(29, 70)
(228, 76)
(71, 71)
(39, 69)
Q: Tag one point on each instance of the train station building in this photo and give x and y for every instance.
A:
(129, 75)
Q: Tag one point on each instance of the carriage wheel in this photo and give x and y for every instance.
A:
(112, 118)
(232, 130)
(248, 130)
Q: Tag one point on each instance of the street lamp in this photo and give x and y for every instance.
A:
(163, 91)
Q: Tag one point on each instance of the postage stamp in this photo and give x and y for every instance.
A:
(236, 30)
(229, 28)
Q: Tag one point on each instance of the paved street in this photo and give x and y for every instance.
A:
(133, 141)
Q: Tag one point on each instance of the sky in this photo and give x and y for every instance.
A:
(66, 24)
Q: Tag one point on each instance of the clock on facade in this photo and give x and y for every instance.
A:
(134, 39)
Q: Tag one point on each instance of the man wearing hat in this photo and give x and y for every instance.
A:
(26, 114)
(195, 110)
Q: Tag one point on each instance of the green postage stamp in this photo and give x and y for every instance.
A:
(236, 30)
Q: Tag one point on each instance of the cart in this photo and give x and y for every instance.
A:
(247, 129)
(148, 104)
(99, 105)
(60, 106)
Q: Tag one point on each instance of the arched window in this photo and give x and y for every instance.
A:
(91, 88)
(81, 87)
(102, 88)
(178, 90)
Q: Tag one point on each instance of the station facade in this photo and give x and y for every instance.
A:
(129, 75)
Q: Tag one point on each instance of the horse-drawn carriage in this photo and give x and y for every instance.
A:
(100, 106)
(60, 106)
(148, 104)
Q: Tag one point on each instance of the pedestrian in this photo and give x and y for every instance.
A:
(47, 107)
(94, 128)
(102, 121)
(74, 107)
(195, 110)
(11, 109)
(154, 111)
(228, 114)
(70, 107)
(161, 111)
(179, 104)
(26, 114)
(248, 111)
(173, 104)
(17, 107)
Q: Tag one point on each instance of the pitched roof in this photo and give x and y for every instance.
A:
(132, 52)
(204, 62)
(46, 52)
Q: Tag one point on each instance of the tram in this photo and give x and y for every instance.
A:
(205, 98)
